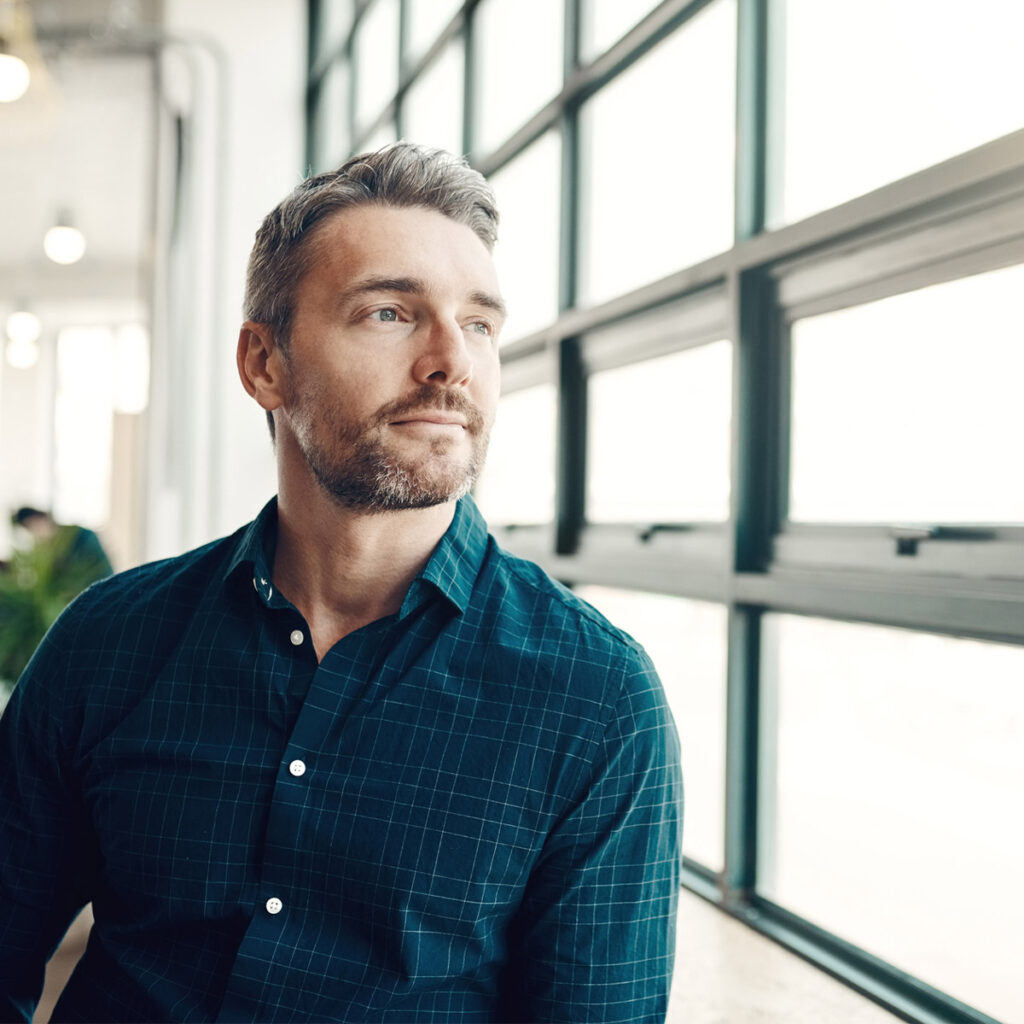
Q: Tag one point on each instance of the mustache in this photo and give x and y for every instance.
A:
(430, 396)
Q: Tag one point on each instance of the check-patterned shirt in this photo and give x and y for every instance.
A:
(467, 811)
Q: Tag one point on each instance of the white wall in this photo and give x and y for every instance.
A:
(238, 76)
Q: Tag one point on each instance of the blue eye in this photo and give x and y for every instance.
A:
(386, 316)
(481, 327)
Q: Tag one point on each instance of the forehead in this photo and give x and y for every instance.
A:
(398, 242)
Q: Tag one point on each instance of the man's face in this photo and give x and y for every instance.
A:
(392, 366)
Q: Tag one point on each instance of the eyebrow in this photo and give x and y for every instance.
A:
(416, 286)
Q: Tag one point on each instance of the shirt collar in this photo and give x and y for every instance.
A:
(254, 551)
(453, 567)
(451, 570)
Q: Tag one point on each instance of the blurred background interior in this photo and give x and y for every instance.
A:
(762, 377)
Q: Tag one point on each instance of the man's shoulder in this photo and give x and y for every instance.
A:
(137, 613)
(163, 583)
(528, 602)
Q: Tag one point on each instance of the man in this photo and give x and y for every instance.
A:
(354, 763)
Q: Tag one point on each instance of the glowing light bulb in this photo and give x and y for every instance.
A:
(64, 244)
(23, 326)
(14, 78)
(22, 354)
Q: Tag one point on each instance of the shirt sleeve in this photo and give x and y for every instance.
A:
(42, 847)
(595, 937)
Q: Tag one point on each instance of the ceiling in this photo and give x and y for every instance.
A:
(80, 139)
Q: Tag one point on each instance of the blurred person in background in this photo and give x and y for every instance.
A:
(43, 575)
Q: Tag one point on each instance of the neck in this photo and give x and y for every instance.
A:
(344, 568)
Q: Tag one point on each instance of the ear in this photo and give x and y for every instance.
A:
(260, 364)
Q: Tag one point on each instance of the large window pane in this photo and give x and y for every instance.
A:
(83, 425)
(427, 19)
(383, 136)
(432, 110)
(686, 641)
(526, 256)
(892, 804)
(604, 22)
(333, 134)
(333, 25)
(908, 409)
(658, 439)
(518, 65)
(518, 482)
(658, 154)
(875, 90)
(376, 60)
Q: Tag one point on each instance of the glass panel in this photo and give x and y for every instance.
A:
(687, 642)
(518, 482)
(657, 190)
(83, 425)
(505, 31)
(908, 409)
(383, 136)
(940, 82)
(658, 439)
(376, 51)
(894, 798)
(604, 22)
(526, 255)
(432, 109)
(335, 22)
(427, 20)
(333, 138)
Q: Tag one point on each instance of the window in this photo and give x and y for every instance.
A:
(891, 787)
(526, 255)
(763, 264)
(658, 439)
(508, 90)
(518, 484)
(376, 60)
(427, 19)
(335, 20)
(604, 22)
(432, 111)
(643, 172)
(862, 105)
(897, 414)
(333, 135)
(83, 425)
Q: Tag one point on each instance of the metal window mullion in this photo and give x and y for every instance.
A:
(469, 97)
(755, 464)
(314, 86)
(751, 117)
(398, 101)
(741, 753)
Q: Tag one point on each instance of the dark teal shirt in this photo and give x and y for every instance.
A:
(467, 811)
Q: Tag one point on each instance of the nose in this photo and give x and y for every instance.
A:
(444, 357)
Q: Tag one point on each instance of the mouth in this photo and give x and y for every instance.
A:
(430, 417)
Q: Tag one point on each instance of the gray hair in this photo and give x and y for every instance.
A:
(402, 174)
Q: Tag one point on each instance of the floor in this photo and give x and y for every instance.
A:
(725, 974)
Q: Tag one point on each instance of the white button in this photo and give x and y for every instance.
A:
(297, 637)
(274, 905)
(297, 768)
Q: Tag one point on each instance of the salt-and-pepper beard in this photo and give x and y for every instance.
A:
(355, 465)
